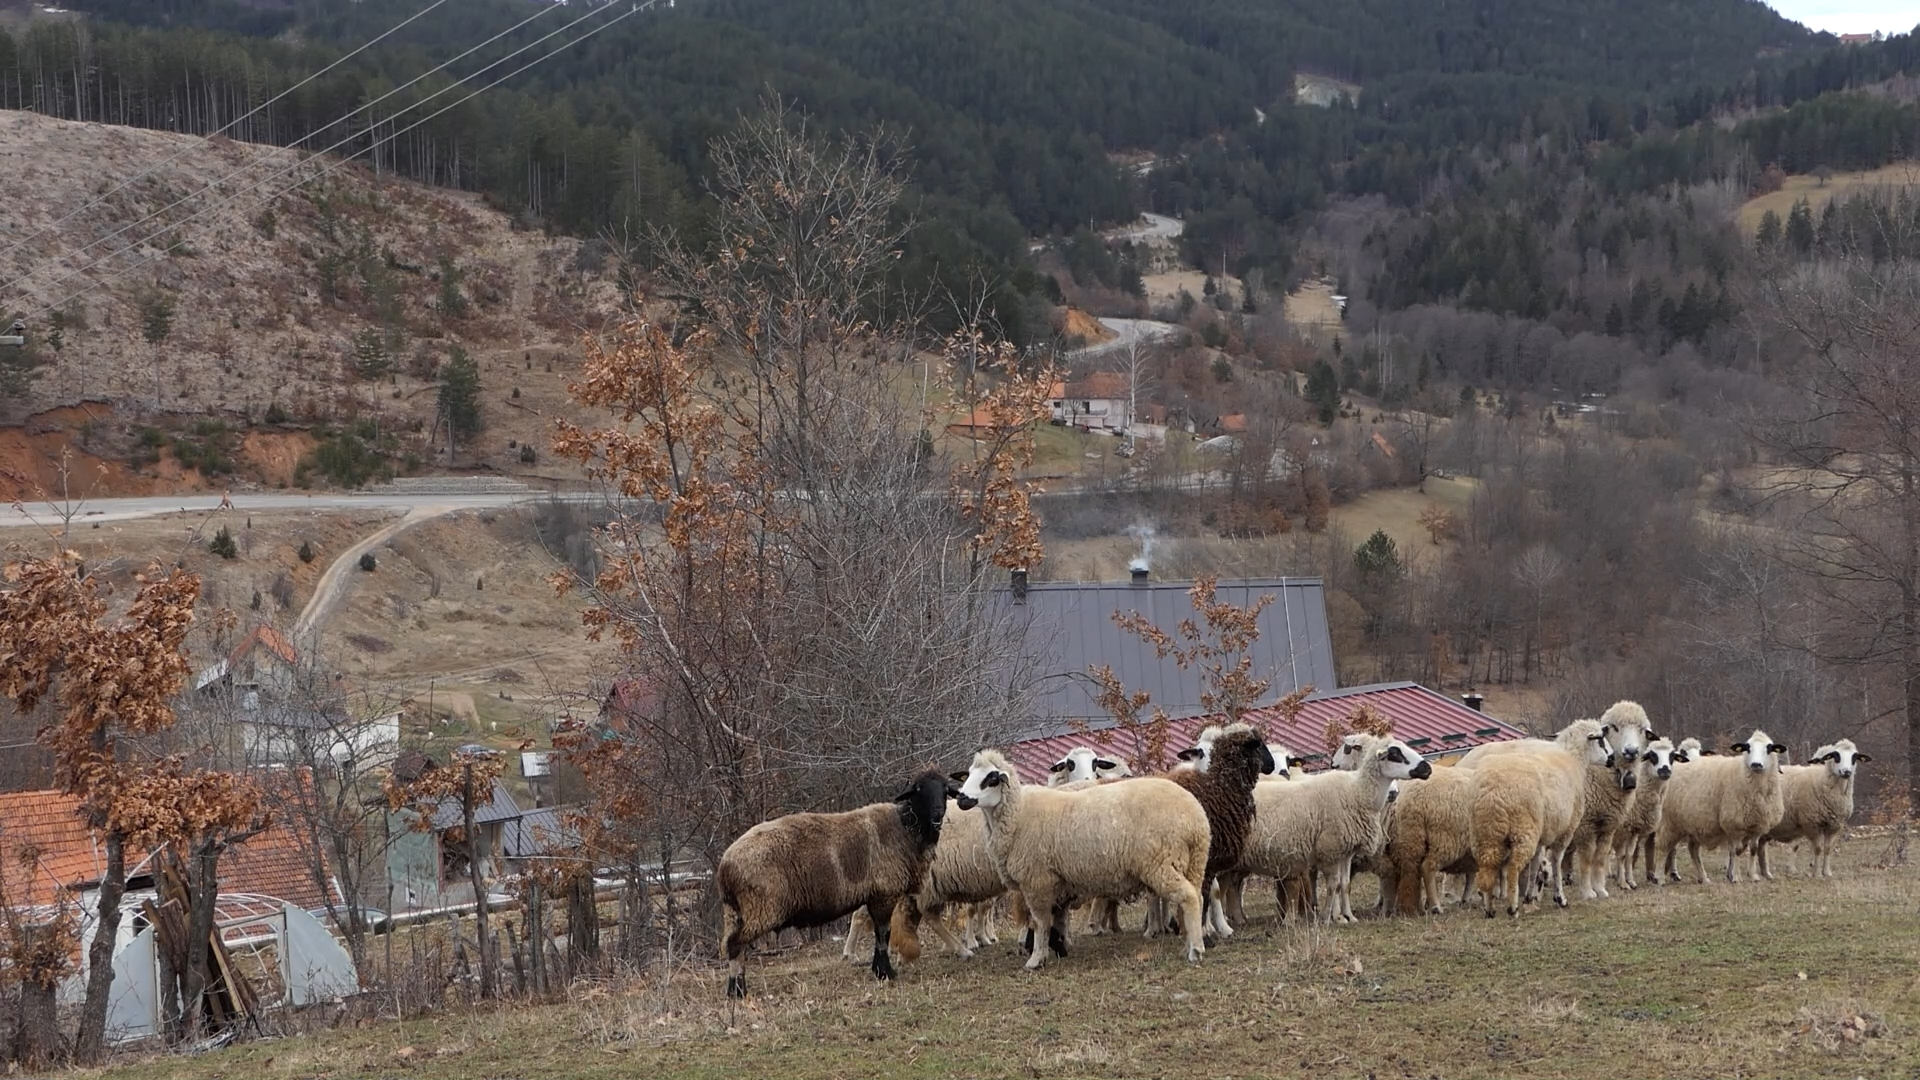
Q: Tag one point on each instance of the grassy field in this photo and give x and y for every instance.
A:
(1839, 185)
(1398, 510)
(1794, 978)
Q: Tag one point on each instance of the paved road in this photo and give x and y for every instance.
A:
(45, 516)
(1128, 331)
(1156, 227)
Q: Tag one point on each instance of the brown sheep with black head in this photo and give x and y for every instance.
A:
(810, 869)
(1225, 790)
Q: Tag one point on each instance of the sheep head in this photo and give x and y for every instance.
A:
(1587, 740)
(1759, 751)
(1628, 728)
(1658, 758)
(1840, 758)
(1239, 752)
(923, 806)
(1082, 763)
(1396, 761)
(988, 781)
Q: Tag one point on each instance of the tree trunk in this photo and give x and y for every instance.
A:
(583, 921)
(479, 886)
(202, 890)
(90, 1042)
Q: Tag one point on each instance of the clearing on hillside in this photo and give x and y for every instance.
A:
(1898, 175)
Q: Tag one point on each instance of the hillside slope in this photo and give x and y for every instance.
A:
(334, 306)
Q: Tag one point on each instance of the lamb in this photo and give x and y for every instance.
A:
(1430, 833)
(1104, 840)
(1321, 822)
(1731, 801)
(1634, 837)
(1818, 801)
(1082, 764)
(1235, 764)
(1529, 802)
(1692, 749)
(810, 869)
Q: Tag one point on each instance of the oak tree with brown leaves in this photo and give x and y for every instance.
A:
(105, 677)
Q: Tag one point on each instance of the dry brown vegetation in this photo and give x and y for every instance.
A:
(266, 308)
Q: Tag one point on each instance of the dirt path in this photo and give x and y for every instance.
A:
(326, 592)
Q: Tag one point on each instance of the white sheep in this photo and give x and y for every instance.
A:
(1083, 764)
(1321, 822)
(1634, 837)
(1526, 803)
(1729, 801)
(1430, 834)
(1817, 799)
(1692, 749)
(1106, 840)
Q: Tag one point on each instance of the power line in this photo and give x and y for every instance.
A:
(29, 275)
(632, 10)
(269, 103)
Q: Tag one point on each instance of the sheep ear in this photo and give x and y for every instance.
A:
(1191, 753)
(1103, 763)
(1681, 755)
(1296, 763)
(1653, 736)
(958, 778)
(952, 792)
(1061, 766)
(1776, 748)
(1863, 757)
(1709, 753)
(1738, 748)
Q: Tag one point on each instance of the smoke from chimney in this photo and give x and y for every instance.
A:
(1142, 562)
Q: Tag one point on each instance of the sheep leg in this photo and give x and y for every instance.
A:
(1041, 910)
(988, 915)
(1233, 896)
(945, 933)
(1699, 870)
(1760, 858)
(1342, 891)
(1431, 883)
(1558, 875)
(857, 927)
(881, 912)
(1174, 890)
(734, 939)
(1216, 912)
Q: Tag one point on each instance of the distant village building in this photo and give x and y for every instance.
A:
(1099, 402)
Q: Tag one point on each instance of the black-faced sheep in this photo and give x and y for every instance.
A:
(1818, 801)
(1729, 801)
(1097, 841)
(810, 869)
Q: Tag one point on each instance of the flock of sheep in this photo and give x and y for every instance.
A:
(1512, 818)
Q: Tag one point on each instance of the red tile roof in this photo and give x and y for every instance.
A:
(1101, 385)
(274, 640)
(1431, 723)
(45, 847)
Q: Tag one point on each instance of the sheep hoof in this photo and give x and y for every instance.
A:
(882, 970)
(1512, 913)
(736, 986)
(965, 953)
(1194, 955)
(1033, 963)
(1057, 941)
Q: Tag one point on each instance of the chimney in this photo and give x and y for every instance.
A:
(1139, 572)
(1473, 700)
(1019, 585)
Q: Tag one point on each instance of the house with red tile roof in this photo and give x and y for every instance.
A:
(49, 855)
(1098, 402)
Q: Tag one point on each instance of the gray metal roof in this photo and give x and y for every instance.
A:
(1071, 627)
(542, 831)
(498, 807)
